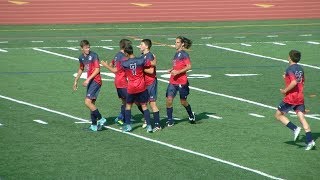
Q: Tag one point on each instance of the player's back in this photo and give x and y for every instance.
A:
(134, 69)
(295, 95)
(120, 79)
(149, 78)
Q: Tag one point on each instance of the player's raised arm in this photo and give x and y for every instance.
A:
(109, 66)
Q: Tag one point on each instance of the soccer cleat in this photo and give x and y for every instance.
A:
(144, 125)
(93, 128)
(310, 145)
(126, 128)
(101, 123)
(157, 128)
(170, 124)
(149, 129)
(118, 121)
(296, 133)
(192, 120)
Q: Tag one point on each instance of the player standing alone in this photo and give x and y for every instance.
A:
(294, 98)
(89, 62)
(178, 79)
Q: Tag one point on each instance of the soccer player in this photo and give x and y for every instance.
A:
(294, 98)
(151, 82)
(137, 92)
(89, 62)
(120, 80)
(178, 79)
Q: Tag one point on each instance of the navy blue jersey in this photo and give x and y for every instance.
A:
(89, 63)
(149, 78)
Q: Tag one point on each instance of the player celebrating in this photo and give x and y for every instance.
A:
(151, 82)
(120, 80)
(89, 62)
(293, 98)
(178, 79)
(137, 92)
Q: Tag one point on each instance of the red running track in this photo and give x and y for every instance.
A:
(107, 11)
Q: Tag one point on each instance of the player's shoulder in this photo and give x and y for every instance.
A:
(120, 55)
(182, 54)
(149, 56)
(93, 56)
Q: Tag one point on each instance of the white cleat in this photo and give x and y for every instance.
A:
(310, 145)
(296, 133)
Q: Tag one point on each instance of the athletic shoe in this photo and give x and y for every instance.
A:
(192, 120)
(93, 128)
(296, 133)
(169, 124)
(157, 128)
(144, 125)
(101, 123)
(118, 121)
(310, 145)
(149, 129)
(126, 128)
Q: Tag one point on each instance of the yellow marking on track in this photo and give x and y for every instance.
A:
(141, 4)
(162, 28)
(18, 2)
(264, 5)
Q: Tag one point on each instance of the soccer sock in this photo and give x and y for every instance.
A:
(188, 108)
(146, 114)
(140, 108)
(308, 137)
(93, 118)
(156, 117)
(127, 116)
(169, 114)
(291, 126)
(97, 114)
(122, 112)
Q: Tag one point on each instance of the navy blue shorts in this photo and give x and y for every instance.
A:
(140, 98)
(152, 91)
(285, 107)
(93, 90)
(122, 93)
(174, 88)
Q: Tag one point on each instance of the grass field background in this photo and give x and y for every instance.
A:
(63, 149)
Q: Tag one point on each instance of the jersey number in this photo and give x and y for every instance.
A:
(298, 75)
(133, 68)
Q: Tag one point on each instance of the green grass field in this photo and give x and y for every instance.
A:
(62, 149)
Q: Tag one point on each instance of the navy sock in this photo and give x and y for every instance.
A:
(308, 137)
(156, 117)
(169, 114)
(291, 126)
(127, 116)
(122, 111)
(146, 114)
(140, 109)
(97, 114)
(188, 108)
(93, 118)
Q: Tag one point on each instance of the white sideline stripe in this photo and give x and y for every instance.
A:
(244, 44)
(256, 115)
(198, 89)
(152, 140)
(40, 121)
(271, 36)
(36, 41)
(74, 49)
(257, 55)
(2, 50)
(177, 119)
(240, 37)
(171, 38)
(238, 75)
(108, 40)
(53, 53)
(3, 42)
(72, 41)
(82, 122)
(277, 43)
(109, 48)
(213, 116)
(312, 42)
(305, 35)
(206, 37)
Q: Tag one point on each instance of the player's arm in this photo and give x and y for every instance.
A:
(80, 71)
(149, 70)
(95, 72)
(154, 61)
(289, 87)
(109, 66)
(185, 69)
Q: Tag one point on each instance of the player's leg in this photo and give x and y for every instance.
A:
(184, 92)
(300, 109)
(122, 94)
(279, 115)
(152, 90)
(170, 94)
(142, 99)
(127, 124)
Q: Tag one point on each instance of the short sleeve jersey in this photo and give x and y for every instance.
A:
(149, 78)
(89, 63)
(120, 80)
(181, 60)
(295, 96)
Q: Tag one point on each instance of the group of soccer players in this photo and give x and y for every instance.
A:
(136, 83)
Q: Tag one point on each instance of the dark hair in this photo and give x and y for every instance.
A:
(128, 49)
(147, 42)
(295, 55)
(187, 42)
(124, 42)
(84, 43)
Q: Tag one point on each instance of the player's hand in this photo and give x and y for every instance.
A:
(283, 91)
(104, 63)
(169, 71)
(75, 86)
(174, 72)
(85, 83)
(284, 75)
